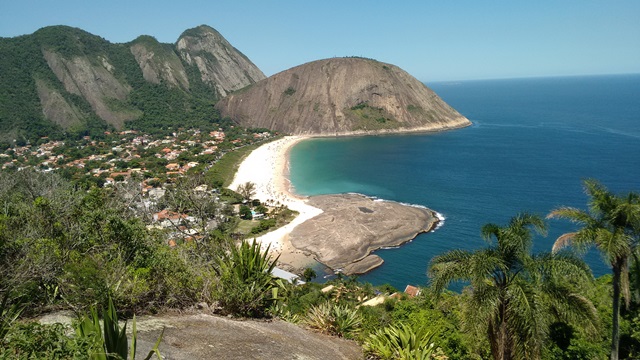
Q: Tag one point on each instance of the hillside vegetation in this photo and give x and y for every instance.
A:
(63, 81)
(65, 248)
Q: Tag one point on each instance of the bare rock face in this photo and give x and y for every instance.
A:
(56, 108)
(352, 226)
(159, 63)
(210, 337)
(220, 64)
(341, 96)
(94, 82)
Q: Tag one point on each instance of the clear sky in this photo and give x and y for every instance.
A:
(432, 40)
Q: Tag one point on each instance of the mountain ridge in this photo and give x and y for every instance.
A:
(62, 79)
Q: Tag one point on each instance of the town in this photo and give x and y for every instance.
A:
(154, 171)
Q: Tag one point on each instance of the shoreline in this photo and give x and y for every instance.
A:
(268, 168)
(353, 227)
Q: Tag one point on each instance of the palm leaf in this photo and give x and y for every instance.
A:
(563, 241)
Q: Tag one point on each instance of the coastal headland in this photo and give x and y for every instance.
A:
(340, 231)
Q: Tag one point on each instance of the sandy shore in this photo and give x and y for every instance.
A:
(268, 167)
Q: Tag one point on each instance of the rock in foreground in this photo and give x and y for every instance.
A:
(352, 226)
(202, 336)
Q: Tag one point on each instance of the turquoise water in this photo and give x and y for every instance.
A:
(531, 144)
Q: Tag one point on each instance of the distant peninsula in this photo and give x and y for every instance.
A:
(341, 96)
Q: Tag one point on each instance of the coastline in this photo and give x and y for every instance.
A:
(267, 167)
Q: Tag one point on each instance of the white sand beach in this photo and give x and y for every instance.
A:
(267, 168)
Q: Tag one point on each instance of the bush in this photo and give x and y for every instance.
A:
(334, 319)
(263, 226)
(36, 341)
(401, 342)
(245, 212)
(246, 283)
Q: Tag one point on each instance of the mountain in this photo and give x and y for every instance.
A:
(63, 79)
(341, 96)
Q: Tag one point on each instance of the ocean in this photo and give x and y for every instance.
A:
(531, 144)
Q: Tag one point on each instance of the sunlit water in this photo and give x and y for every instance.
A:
(531, 144)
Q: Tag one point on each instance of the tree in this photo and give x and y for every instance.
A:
(309, 274)
(612, 225)
(245, 212)
(247, 190)
(515, 296)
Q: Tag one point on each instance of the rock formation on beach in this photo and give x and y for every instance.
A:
(341, 96)
(352, 226)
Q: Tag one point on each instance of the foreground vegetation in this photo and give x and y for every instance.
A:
(63, 247)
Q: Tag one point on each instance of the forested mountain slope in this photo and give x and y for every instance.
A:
(66, 80)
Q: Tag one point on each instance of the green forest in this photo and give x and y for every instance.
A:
(63, 247)
(158, 108)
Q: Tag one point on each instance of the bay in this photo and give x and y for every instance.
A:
(531, 144)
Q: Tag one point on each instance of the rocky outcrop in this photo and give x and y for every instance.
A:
(95, 82)
(352, 226)
(159, 63)
(220, 64)
(341, 96)
(210, 337)
(203, 336)
(56, 108)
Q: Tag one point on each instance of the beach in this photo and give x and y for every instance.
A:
(340, 231)
(267, 168)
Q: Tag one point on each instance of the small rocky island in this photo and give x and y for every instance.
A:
(352, 226)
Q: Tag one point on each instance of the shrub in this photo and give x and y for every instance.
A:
(9, 313)
(246, 283)
(112, 343)
(245, 212)
(33, 340)
(334, 319)
(264, 225)
(401, 342)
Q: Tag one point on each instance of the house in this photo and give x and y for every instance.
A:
(412, 291)
(290, 277)
(168, 215)
(173, 167)
(125, 174)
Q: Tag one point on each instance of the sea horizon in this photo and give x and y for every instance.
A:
(531, 144)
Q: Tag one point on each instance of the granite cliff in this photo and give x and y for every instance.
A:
(62, 78)
(341, 96)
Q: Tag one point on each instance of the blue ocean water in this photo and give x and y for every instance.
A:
(531, 144)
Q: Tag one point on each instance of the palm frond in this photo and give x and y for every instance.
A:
(563, 241)
(572, 214)
(488, 230)
(612, 244)
(450, 266)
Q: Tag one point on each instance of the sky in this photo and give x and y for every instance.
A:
(432, 40)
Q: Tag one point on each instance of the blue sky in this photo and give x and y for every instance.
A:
(432, 40)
